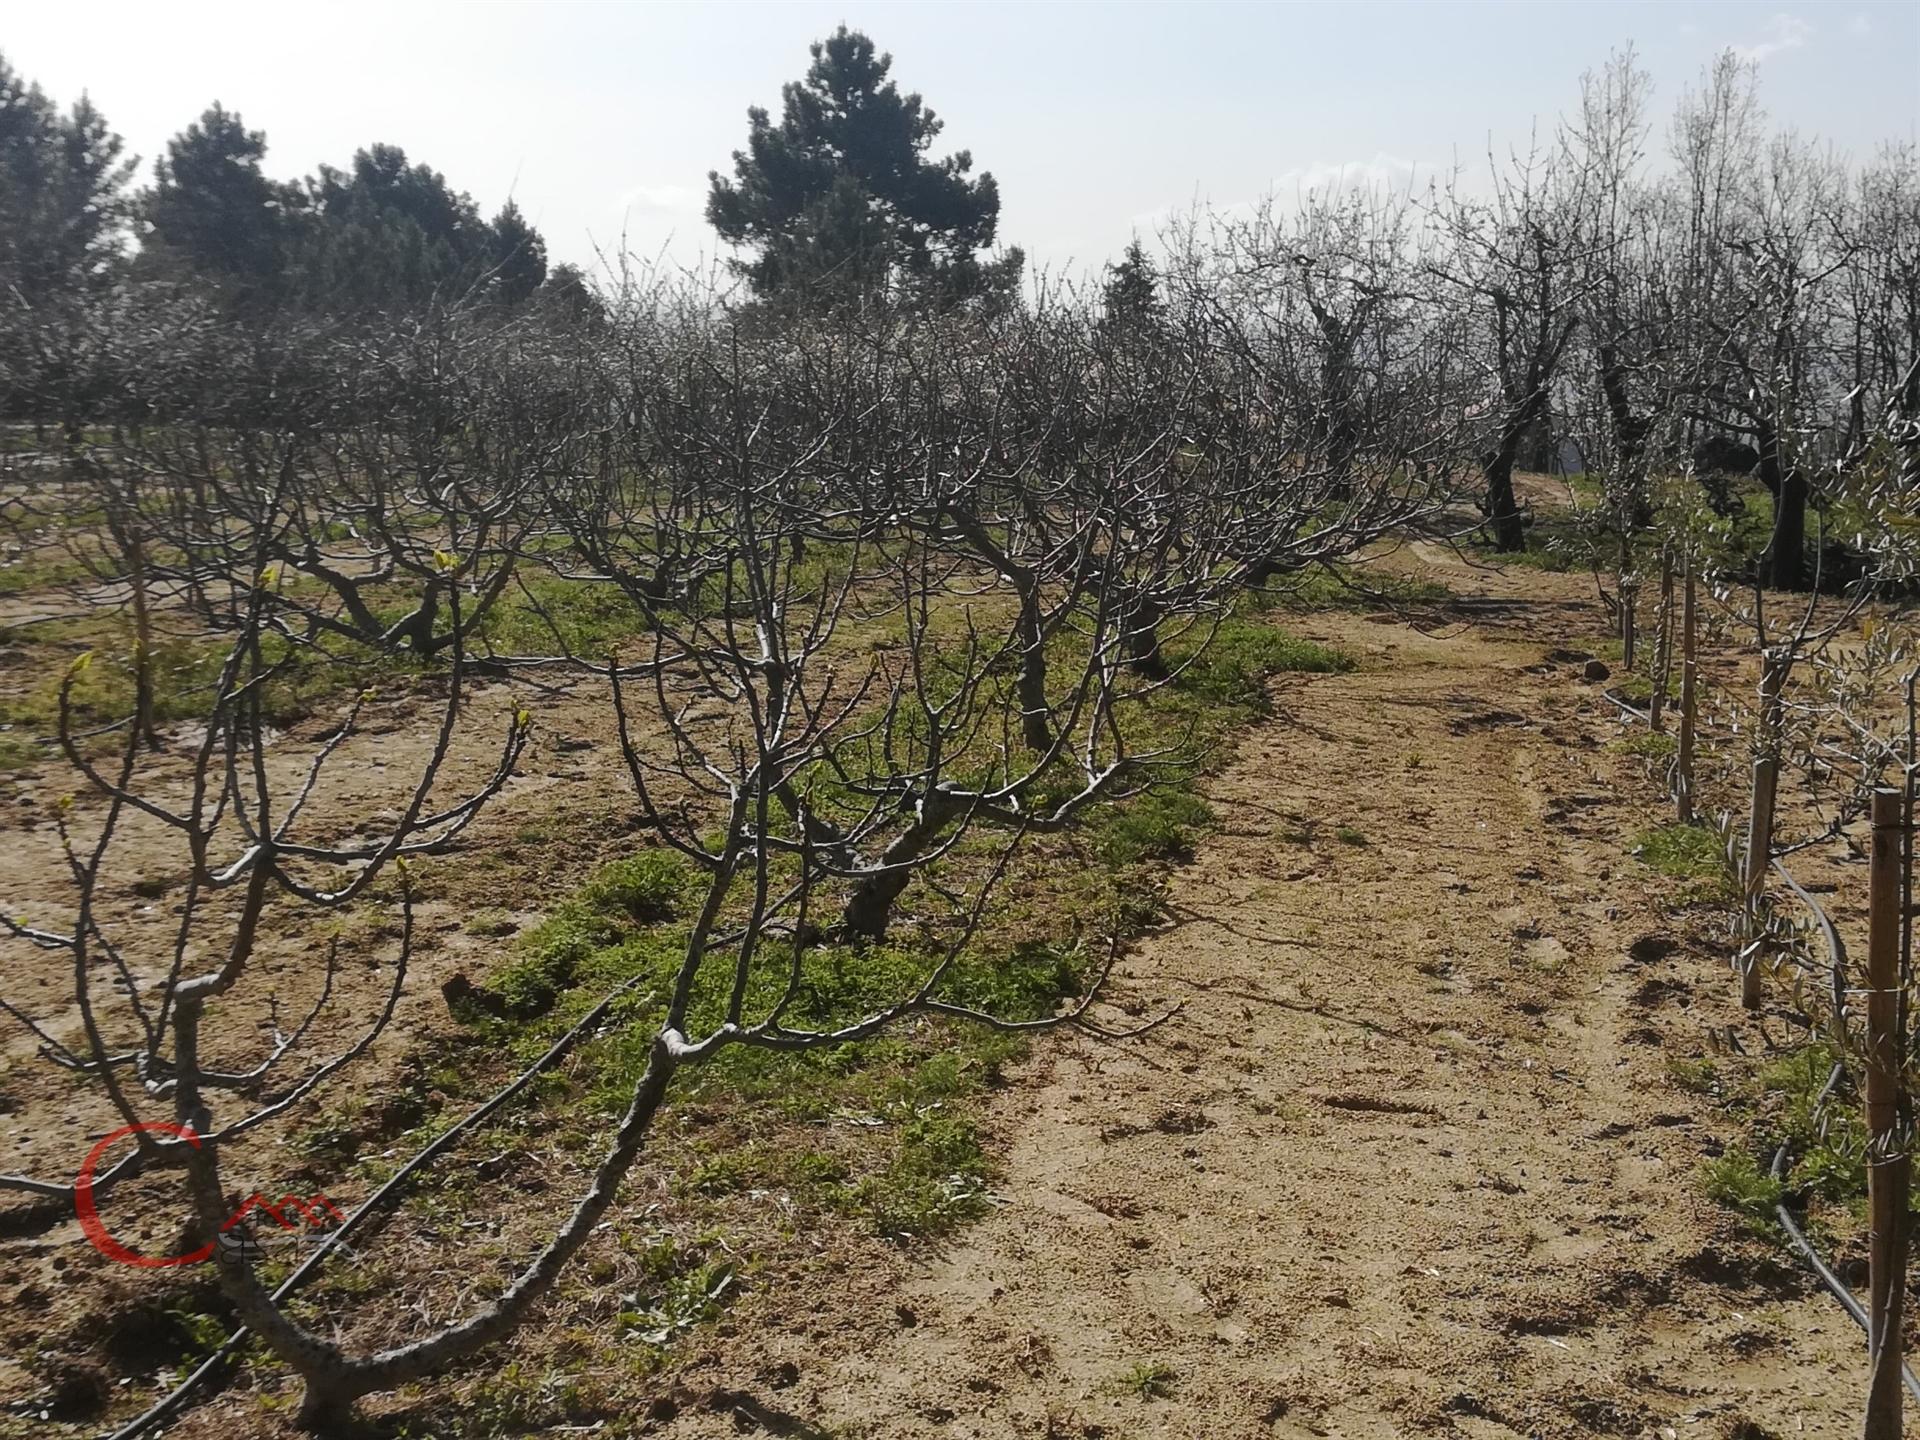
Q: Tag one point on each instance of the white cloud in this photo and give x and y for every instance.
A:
(1860, 25)
(660, 199)
(1783, 33)
(1384, 171)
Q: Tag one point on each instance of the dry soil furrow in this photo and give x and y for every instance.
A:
(1406, 1161)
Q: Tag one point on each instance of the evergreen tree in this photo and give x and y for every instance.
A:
(389, 234)
(840, 197)
(518, 254)
(63, 203)
(1131, 297)
(212, 211)
(566, 292)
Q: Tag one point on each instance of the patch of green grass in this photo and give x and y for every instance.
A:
(491, 924)
(918, 1168)
(1150, 1380)
(643, 889)
(1827, 1146)
(1159, 825)
(184, 671)
(1233, 664)
(17, 750)
(616, 905)
(1684, 852)
(1701, 1076)
(1554, 560)
(1783, 1098)
(547, 614)
(1738, 1181)
(935, 1180)
(1555, 543)
(39, 572)
(1347, 587)
(684, 1299)
(1647, 744)
(1639, 688)
(1347, 835)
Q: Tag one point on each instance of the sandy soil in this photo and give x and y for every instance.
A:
(1407, 1160)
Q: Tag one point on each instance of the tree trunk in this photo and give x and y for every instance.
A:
(1538, 453)
(1503, 511)
(1144, 657)
(1030, 686)
(870, 906)
(325, 1412)
(1629, 438)
(1786, 557)
(1501, 508)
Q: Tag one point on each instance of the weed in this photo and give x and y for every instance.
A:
(1347, 835)
(552, 615)
(684, 1300)
(1335, 587)
(1737, 1180)
(1232, 666)
(643, 888)
(1700, 1076)
(1828, 1145)
(936, 1180)
(489, 924)
(1688, 852)
(1159, 825)
(1150, 1380)
(1647, 744)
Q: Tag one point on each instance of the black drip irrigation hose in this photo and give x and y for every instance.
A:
(1797, 1240)
(1796, 1237)
(1635, 711)
(1803, 1247)
(157, 1417)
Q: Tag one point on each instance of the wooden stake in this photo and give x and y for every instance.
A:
(1887, 1162)
(1683, 762)
(1629, 637)
(1662, 645)
(1766, 784)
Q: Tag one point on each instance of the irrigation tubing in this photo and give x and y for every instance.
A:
(170, 1404)
(1797, 1237)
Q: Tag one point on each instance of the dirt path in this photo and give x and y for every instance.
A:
(1408, 1160)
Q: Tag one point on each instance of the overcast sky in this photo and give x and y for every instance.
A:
(604, 119)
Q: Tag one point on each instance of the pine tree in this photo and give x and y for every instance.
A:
(63, 204)
(1131, 296)
(841, 199)
(518, 254)
(213, 212)
(389, 234)
(565, 292)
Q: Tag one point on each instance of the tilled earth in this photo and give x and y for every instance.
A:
(1403, 1157)
(1407, 1159)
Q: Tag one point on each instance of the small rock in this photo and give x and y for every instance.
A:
(1596, 671)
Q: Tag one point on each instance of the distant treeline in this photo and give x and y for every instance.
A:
(383, 234)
